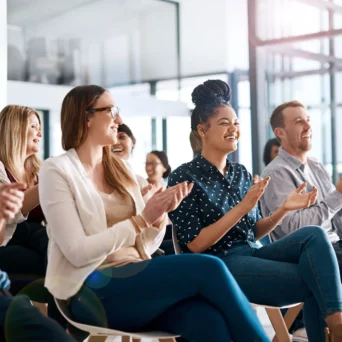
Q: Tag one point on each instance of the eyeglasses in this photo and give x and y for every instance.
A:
(114, 111)
(153, 164)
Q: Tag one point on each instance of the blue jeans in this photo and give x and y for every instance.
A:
(301, 267)
(194, 296)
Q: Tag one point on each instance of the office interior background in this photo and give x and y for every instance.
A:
(151, 54)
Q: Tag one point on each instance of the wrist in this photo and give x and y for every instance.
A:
(243, 208)
(282, 209)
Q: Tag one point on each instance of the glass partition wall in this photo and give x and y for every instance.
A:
(296, 59)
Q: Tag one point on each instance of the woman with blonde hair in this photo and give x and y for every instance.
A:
(23, 254)
(102, 235)
(25, 242)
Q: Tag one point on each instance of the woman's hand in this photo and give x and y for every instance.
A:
(164, 201)
(297, 200)
(145, 190)
(11, 200)
(254, 193)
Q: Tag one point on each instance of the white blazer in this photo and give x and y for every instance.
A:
(79, 240)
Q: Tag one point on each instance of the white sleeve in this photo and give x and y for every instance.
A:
(19, 217)
(65, 226)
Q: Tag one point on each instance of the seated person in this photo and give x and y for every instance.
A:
(102, 235)
(291, 124)
(221, 217)
(24, 249)
(23, 254)
(157, 169)
(270, 152)
(19, 320)
(124, 147)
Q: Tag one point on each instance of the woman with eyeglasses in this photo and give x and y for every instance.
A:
(157, 168)
(102, 235)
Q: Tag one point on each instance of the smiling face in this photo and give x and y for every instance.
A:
(222, 131)
(34, 134)
(296, 135)
(102, 127)
(124, 146)
(154, 168)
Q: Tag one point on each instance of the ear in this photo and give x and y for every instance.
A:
(201, 130)
(279, 132)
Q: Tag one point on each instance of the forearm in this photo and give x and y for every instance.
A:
(31, 200)
(210, 235)
(266, 225)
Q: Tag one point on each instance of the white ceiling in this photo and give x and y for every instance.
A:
(27, 13)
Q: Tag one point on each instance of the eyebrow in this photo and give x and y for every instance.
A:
(226, 119)
(300, 117)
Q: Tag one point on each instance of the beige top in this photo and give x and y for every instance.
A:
(118, 209)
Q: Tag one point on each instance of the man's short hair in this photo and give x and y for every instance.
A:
(277, 117)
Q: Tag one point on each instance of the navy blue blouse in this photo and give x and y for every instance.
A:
(212, 196)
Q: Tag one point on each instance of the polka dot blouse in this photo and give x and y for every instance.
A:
(212, 196)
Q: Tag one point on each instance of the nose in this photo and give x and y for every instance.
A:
(40, 134)
(118, 120)
(307, 125)
(232, 128)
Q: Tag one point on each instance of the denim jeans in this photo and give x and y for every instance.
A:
(301, 267)
(194, 296)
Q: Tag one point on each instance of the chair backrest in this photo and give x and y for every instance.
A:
(176, 246)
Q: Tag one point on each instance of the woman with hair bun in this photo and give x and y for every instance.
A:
(221, 217)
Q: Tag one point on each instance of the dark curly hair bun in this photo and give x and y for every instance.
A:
(211, 92)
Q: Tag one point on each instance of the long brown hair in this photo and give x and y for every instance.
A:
(74, 117)
(14, 124)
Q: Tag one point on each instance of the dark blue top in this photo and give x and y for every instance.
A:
(212, 196)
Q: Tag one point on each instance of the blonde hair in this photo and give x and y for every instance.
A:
(14, 124)
(74, 117)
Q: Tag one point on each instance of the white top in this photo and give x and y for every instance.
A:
(11, 225)
(79, 240)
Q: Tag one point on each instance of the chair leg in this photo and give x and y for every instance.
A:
(279, 326)
(136, 339)
(292, 314)
(42, 307)
(97, 338)
(327, 337)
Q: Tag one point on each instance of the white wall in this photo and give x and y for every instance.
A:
(50, 97)
(203, 36)
(213, 35)
(3, 52)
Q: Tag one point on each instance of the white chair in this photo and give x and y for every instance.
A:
(98, 334)
(280, 324)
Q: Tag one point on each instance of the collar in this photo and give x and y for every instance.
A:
(290, 159)
(207, 166)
